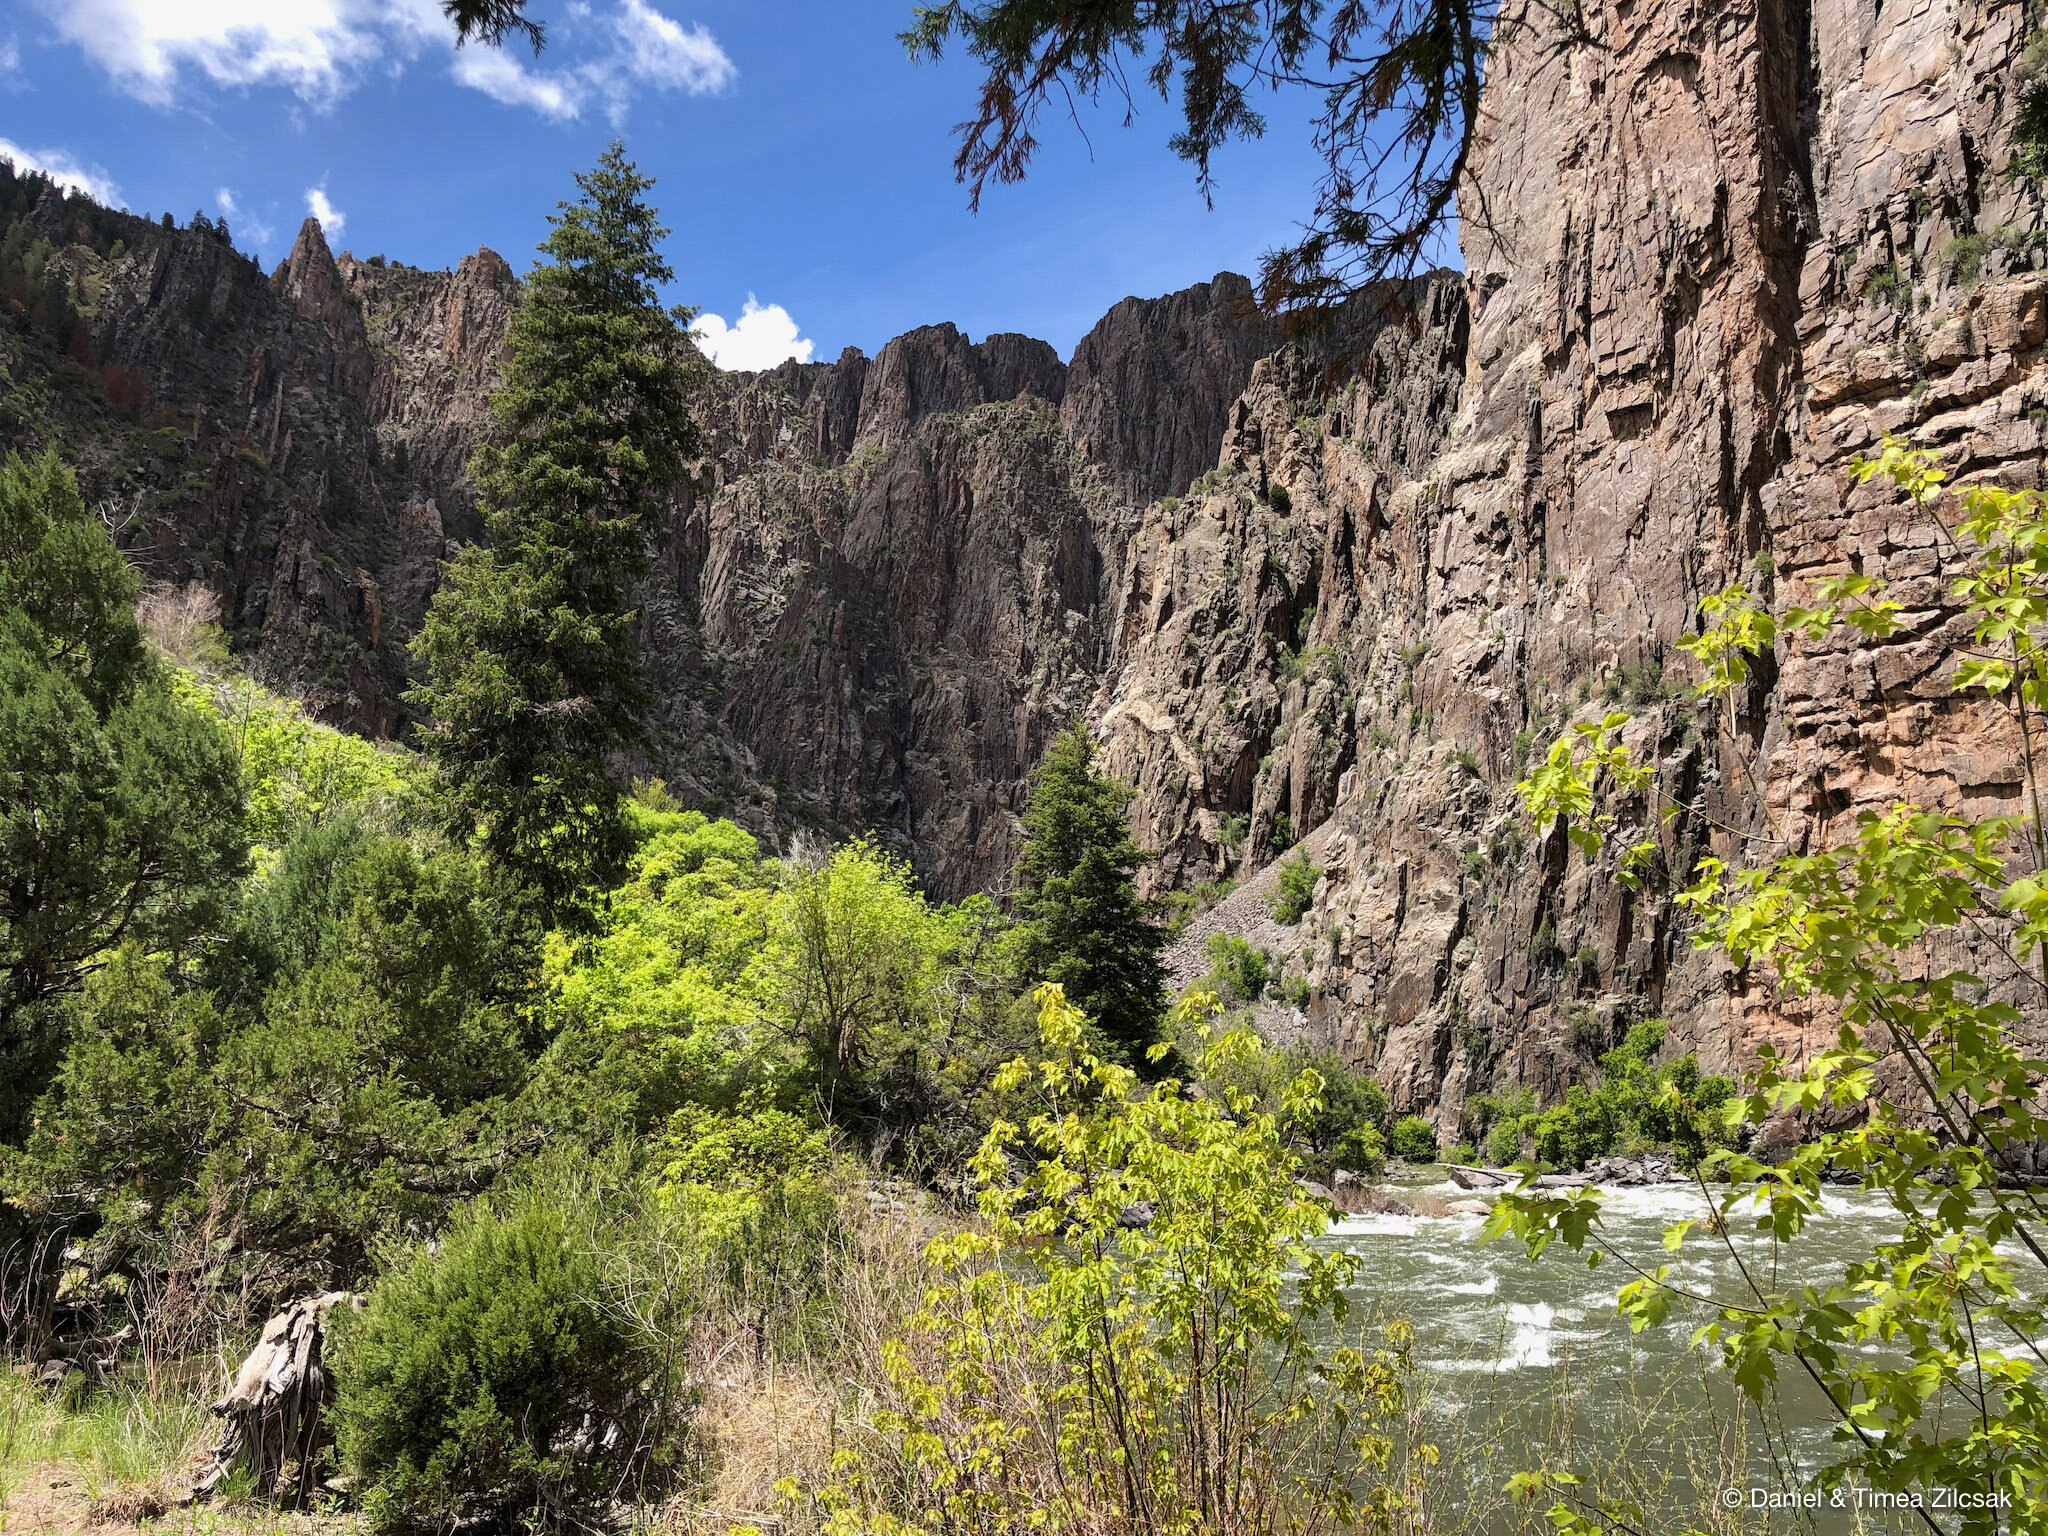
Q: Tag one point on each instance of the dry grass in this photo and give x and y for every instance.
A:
(764, 1420)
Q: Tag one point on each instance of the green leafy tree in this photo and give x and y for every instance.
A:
(1143, 1335)
(120, 808)
(759, 1190)
(857, 960)
(1081, 922)
(674, 971)
(1928, 1348)
(357, 1079)
(533, 680)
(1398, 85)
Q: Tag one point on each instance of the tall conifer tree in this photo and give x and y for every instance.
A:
(533, 680)
(1083, 924)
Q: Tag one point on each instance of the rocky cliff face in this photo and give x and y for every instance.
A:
(1337, 591)
(907, 577)
(1722, 252)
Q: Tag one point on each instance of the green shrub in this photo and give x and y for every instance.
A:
(489, 1380)
(1413, 1139)
(1504, 1143)
(1363, 1149)
(1238, 972)
(1278, 499)
(1298, 877)
(1545, 953)
(1346, 1123)
(758, 1192)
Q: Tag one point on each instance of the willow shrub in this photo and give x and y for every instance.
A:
(1928, 1348)
(1141, 1336)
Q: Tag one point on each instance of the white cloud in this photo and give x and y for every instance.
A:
(658, 51)
(764, 336)
(503, 78)
(332, 220)
(641, 49)
(319, 50)
(66, 171)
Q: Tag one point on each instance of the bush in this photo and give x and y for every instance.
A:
(1074, 1372)
(1504, 1143)
(1363, 1149)
(1238, 973)
(758, 1190)
(1350, 1105)
(488, 1380)
(1298, 877)
(1413, 1139)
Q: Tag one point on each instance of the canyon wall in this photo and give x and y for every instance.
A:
(1721, 250)
(1336, 590)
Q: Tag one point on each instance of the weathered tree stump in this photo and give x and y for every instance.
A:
(276, 1411)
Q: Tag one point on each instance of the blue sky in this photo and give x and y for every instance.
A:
(803, 160)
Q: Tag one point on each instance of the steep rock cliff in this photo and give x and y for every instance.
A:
(1721, 251)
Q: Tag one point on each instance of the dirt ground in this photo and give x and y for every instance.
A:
(56, 1498)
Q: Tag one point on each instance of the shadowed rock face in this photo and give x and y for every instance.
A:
(1337, 589)
(907, 575)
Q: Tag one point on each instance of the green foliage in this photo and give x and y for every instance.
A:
(1887, 285)
(1231, 832)
(1298, 877)
(1413, 1139)
(532, 675)
(358, 1070)
(674, 970)
(1413, 76)
(1080, 1370)
(861, 966)
(1239, 971)
(758, 1190)
(1307, 665)
(1926, 1348)
(491, 1378)
(1279, 500)
(2029, 160)
(1081, 923)
(1635, 684)
(296, 772)
(120, 808)
(1634, 1104)
(1345, 1126)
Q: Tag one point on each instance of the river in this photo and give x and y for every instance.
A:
(1525, 1364)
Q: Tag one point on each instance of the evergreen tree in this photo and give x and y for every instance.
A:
(533, 680)
(120, 808)
(1082, 923)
